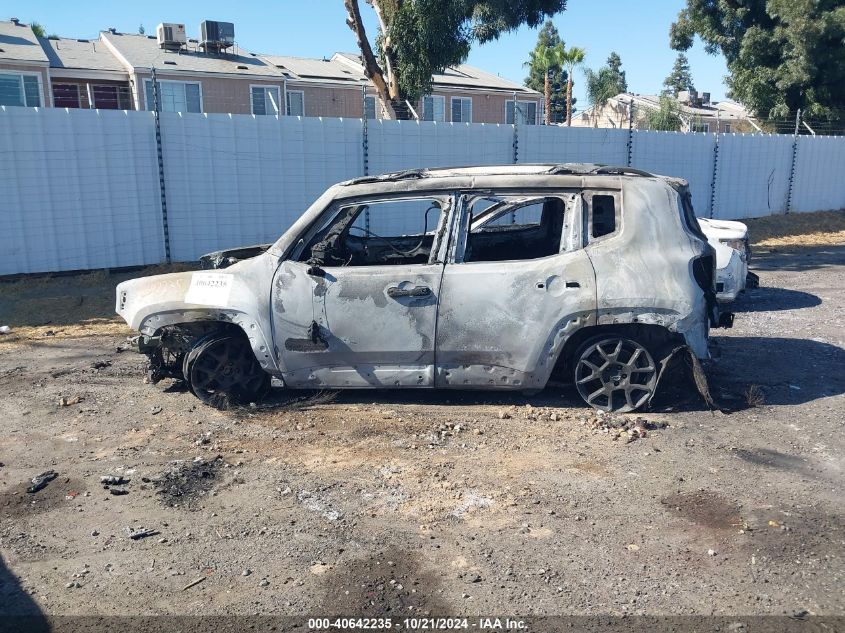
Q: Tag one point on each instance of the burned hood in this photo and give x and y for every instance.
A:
(225, 258)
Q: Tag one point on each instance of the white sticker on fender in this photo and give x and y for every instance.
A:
(209, 289)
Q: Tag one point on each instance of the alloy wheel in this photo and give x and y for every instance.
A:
(616, 374)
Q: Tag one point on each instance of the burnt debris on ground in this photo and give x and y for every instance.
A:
(185, 483)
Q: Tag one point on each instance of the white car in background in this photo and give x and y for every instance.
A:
(730, 240)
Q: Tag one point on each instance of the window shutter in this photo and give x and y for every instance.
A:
(258, 105)
(295, 103)
(428, 109)
(148, 95)
(439, 108)
(31, 91)
(271, 102)
(192, 98)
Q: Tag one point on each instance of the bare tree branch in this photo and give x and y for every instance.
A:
(372, 70)
(387, 49)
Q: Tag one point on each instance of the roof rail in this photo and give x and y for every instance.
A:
(608, 170)
(563, 168)
(408, 174)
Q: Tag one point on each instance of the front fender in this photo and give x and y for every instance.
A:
(238, 295)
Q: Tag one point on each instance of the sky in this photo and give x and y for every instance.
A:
(639, 32)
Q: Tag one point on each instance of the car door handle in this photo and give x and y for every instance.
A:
(395, 292)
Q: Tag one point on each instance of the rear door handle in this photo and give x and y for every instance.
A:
(395, 292)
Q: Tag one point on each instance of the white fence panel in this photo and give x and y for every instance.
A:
(688, 156)
(752, 177)
(234, 180)
(557, 144)
(81, 187)
(80, 190)
(819, 183)
(399, 145)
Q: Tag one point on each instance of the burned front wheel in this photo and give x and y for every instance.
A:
(222, 370)
(615, 374)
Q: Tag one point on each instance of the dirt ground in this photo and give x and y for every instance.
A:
(403, 503)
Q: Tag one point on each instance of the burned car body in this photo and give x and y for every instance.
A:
(463, 278)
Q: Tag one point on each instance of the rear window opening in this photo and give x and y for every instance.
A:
(514, 228)
(602, 215)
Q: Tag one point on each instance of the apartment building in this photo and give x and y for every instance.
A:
(696, 112)
(24, 67)
(114, 71)
(84, 74)
(463, 94)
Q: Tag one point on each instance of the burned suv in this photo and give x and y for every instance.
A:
(463, 278)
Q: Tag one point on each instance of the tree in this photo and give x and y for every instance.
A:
(666, 117)
(418, 38)
(680, 78)
(141, 29)
(782, 54)
(544, 59)
(37, 29)
(570, 58)
(614, 62)
(606, 82)
(553, 76)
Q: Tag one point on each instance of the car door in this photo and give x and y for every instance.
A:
(517, 282)
(357, 307)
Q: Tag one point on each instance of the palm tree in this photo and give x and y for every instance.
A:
(547, 58)
(571, 58)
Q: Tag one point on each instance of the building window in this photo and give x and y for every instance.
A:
(727, 128)
(434, 108)
(66, 96)
(461, 109)
(700, 127)
(295, 102)
(370, 107)
(527, 112)
(20, 90)
(265, 100)
(112, 97)
(174, 96)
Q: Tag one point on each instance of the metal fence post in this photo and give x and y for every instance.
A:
(160, 156)
(364, 140)
(630, 147)
(712, 208)
(794, 159)
(515, 132)
(365, 148)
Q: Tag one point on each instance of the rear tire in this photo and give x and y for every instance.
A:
(221, 370)
(614, 373)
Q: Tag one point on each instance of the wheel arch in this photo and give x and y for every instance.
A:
(203, 322)
(658, 339)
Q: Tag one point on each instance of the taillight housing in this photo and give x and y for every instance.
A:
(704, 271)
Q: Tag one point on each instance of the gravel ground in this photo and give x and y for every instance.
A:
(370, 503)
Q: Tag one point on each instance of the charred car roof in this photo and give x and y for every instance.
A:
(539, 169)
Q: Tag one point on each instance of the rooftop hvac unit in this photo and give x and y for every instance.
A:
(170, 36)
(216, 36)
